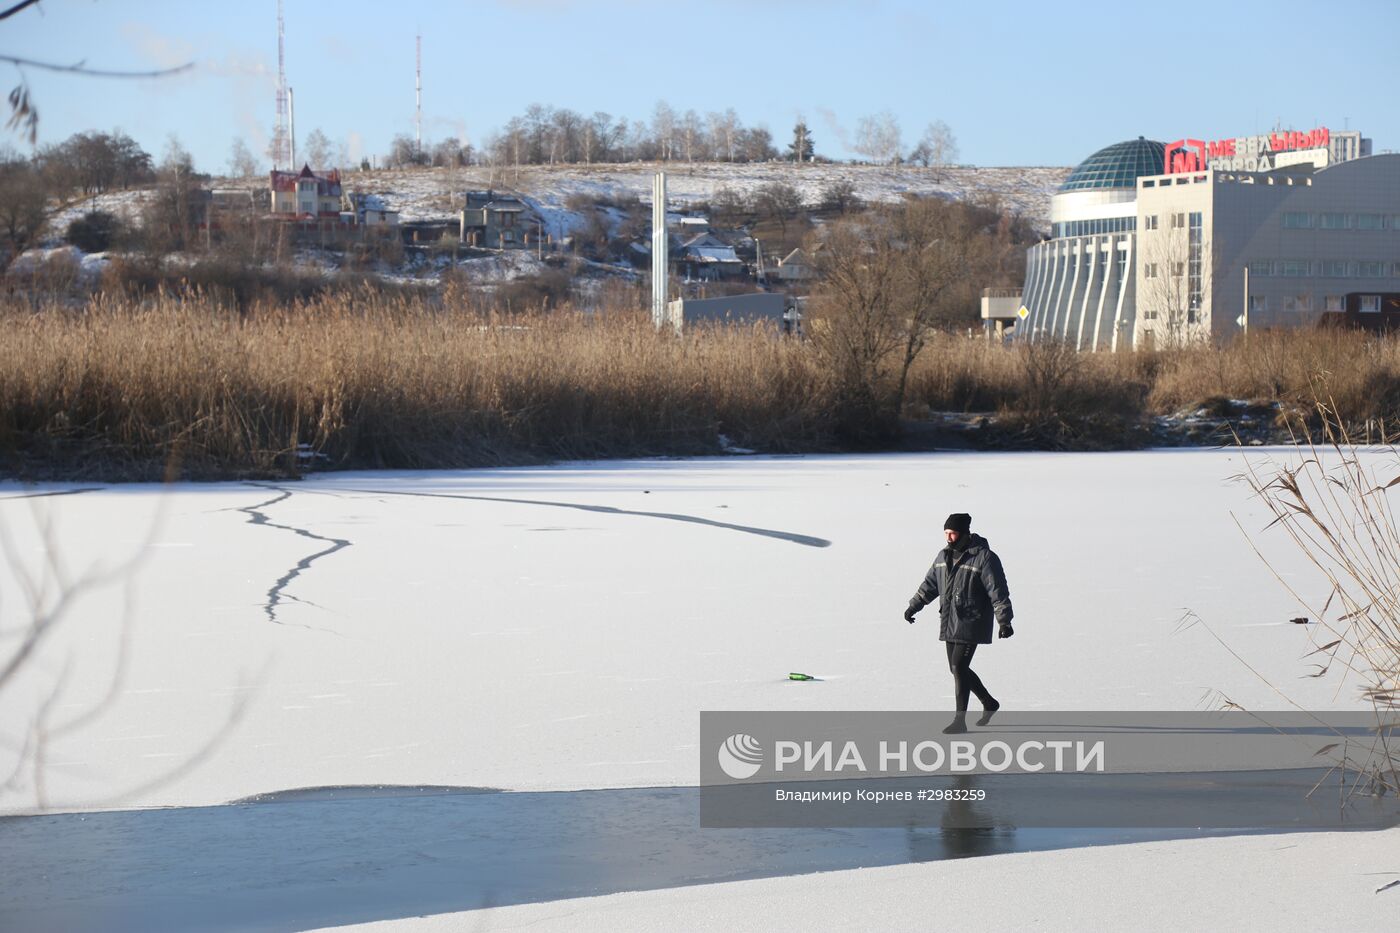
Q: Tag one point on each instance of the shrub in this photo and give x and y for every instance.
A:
(94, 232)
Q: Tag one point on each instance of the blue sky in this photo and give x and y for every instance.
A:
(1020, 83)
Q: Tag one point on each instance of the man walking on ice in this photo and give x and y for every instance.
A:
(967, 579)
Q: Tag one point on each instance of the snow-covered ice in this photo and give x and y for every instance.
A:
(1269, 884)
(559, 628)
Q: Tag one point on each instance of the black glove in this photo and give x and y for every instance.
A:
(914, 606)
(1005, 630)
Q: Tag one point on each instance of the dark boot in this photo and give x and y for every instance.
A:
(989, 709)
(957, 726)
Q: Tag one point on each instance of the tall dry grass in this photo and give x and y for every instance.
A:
(1358, 373)
(371, 380)
(120, 386)
(1335, 507)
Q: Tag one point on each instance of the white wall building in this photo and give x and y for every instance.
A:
(1151, 242)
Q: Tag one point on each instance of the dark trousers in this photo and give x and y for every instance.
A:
(964, 680)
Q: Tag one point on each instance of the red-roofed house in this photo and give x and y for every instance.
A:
(305, 194)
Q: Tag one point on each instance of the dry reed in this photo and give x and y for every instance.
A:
(1336, 510)
(119, 386)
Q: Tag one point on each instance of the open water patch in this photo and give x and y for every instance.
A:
(327, 856)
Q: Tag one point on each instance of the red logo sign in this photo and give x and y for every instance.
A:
(1194, 155)
(1185, 155)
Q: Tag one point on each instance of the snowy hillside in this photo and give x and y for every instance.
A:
(435, 194)
(423, 194)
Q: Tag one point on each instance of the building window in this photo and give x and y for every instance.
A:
(1295, 268)
(1297, 302)
(1263, 267)
(1336, 303)
(1149, 270)
(1336, 221)
(1194, 294)
(1258, 303)
(1178, 220)
(1150, 222)
(1149, 315)
(1335, 268)
(1370, 304)
(1370, 221)
(1369, 269)
(1297, 220)
(1395, 270)
(1178, 269)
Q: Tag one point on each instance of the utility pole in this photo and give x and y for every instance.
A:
(660, 262)
(292, 129)
(1246, 301)
(418, 91)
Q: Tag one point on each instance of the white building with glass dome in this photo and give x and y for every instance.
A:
(1155, 243)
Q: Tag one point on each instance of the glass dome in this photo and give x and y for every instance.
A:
(1117, 166)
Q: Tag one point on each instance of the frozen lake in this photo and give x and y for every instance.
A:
(295, 700)
(559, 628)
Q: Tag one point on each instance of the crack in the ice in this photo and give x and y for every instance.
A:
(808, 540)
(277, 593)
(59, 492)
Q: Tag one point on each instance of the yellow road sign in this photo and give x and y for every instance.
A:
(1023, 313)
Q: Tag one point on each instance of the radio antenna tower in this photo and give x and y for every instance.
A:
(418, 87)
(280, 137)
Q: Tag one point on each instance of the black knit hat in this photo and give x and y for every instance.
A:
(959, 522)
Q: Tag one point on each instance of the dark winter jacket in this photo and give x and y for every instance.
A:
(971, 589)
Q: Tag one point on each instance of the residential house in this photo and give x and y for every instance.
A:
(796, 266)
(494, 221)
(370, 210)
(706, 258)
(305, 195)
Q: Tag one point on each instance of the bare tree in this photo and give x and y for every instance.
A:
(566, 128)
(450, 153)
(692, 135)
(839, 195)
(889, 281)
(174, 213)
(878, 137)
(937, 148)
(727, 206)
(597, 137)
(514, 141)
(723, 129)
(241, 163)
(23, 207)
(403, 150)
(663, 129)
(780, 202)
(756, 145)
(94, 162)
(316, 149)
